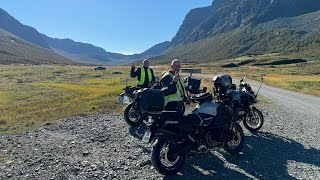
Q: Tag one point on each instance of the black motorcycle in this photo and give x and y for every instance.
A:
(245, 111)
(130, 114)
(134, 117)
(210, 126)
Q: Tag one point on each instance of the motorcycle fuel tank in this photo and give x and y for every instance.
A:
(206, 108)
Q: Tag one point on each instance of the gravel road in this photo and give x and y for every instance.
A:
(102, 146)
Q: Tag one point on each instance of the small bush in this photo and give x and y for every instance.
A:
(230, 65)
(282, 62)
(19, 81)
(3, 122)
(245, 62)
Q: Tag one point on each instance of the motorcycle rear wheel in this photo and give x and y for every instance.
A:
(165, 160)
(235, 145)
(253, 122)
(131, 117)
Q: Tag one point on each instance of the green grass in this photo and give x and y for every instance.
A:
(33, 95)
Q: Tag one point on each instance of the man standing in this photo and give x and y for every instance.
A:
(173, 88)
(144, 73)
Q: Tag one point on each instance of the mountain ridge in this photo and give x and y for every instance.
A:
(14, 50)
(241, 27)
(25, 32)
(226, 29)
(76, 51)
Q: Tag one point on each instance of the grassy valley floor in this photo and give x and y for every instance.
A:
(32, 95)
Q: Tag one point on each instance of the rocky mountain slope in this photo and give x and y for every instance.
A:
(234, 28)
(226, 15)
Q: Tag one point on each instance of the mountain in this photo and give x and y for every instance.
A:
(153, 51)
(82, 51)
(10, 24)
(77, 51)
(230, 28)
(18, 51)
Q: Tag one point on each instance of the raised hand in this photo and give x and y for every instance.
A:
(176, 77)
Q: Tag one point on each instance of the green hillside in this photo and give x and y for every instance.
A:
(14, 50)
(248, 42)
(233, 28)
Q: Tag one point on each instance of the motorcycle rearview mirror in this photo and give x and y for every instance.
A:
(185, 80)
(243, 79)
(204, 89)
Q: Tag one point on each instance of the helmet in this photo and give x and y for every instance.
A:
(221, 83)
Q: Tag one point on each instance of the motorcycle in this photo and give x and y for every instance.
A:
(244, 98)
(131, 116)
(210, 126)
(134, 116)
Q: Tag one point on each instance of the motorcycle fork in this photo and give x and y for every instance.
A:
(233, 130)
(251, 110)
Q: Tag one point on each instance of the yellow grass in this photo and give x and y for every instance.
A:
(33, 95)
(4, 98)
(243, 58)
(280, 77)
(303, 83)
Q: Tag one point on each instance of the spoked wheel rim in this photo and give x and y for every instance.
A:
(165, 159)
(235, 145)
(133, 115)
(253, 120)
(168, 159)
(236, 139)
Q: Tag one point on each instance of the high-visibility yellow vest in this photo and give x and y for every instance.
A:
(143, 75)
(180, 93)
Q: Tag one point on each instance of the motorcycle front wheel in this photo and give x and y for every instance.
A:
(235, 145)
(132, 117)
(254, 120)
(164, 158)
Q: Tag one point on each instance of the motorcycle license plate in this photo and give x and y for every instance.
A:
(126, 100)
(123, 100)
(146, 137)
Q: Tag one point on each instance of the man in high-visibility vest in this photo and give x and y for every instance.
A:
(144, 73)
(173, 88)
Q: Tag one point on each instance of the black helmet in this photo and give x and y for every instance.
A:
(221, 83)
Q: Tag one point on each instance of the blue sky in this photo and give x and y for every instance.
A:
(125, 26)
